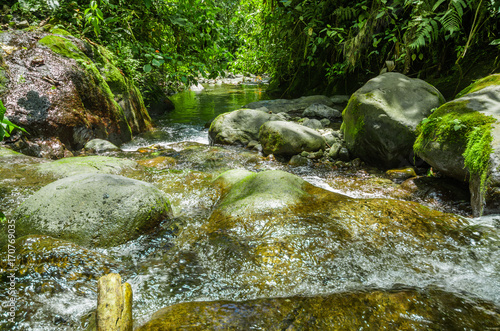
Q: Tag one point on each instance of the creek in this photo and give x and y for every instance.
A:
(172, 266)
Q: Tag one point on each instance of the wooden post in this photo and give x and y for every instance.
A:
(114, 304)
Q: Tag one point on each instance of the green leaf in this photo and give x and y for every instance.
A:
(147, 68)
(157, 63)
(99, 14)
(414, 57)
(420, 56)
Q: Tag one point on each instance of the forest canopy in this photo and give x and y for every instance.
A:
(306, 46)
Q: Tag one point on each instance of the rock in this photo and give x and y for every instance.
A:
(381, 118)
(321, 111)
(162, 107)
(114, 304)
(88, 164)
(340, 99)
(316, 155)
(344, 154)
(67, 92)
(298, 161)
(325, 122)
(22, 25)
(93, 210)
(237, 127)
(293, 107)
(461, 139)
(160, 162)
(100, 145)
(312, 123)
(403, 173)
(60, 274)
(288, 138)
(275, 233)
(399, 308)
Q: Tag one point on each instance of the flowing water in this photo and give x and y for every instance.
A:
(182, 262)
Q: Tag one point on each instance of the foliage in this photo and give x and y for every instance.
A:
(337, 38)
(6, 126)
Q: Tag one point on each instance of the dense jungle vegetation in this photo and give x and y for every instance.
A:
(306, 46)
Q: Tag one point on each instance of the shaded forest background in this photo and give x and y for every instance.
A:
(306, 46)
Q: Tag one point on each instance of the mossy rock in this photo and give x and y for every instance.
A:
(461, 139)
(380, 119)
(93, 210)
(77, 98)
(397, 309)
(274, 232)
(87, 164)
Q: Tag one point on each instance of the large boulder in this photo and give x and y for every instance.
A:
(462, 140)
(381, 118)
(293, 107)
(64, 92)
(397, 309)
(238, 127)
(288, 138)
(93, 210)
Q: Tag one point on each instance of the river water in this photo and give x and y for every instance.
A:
(170, 266)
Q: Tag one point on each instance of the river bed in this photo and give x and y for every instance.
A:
(167, 267)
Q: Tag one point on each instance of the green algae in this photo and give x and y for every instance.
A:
(64, 47)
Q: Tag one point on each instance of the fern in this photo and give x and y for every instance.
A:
(452, 18)
(345, 13)
(427, 31)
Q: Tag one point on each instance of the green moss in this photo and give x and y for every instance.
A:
(477, 153)
(455, 123)
(452, 122)
(354, 122)
(480, 84)
(61, 32)
(64, 47)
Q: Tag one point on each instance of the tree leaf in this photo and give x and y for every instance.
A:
(147, 68)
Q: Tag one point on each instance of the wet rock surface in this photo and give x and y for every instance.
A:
(400, 309)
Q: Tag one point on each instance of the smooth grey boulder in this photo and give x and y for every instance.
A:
(321, 111)
(93, 210)
(100, 145)
(237, 127)
(293, 107)
(288, 138)
(312, 123)
(380, 120)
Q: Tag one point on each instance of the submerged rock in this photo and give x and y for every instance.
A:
(65, 91)
(287, 138)
(461, 139)
(396, 309)
(381, 118)
(93, 210)
(271, 233)
(55, 281)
